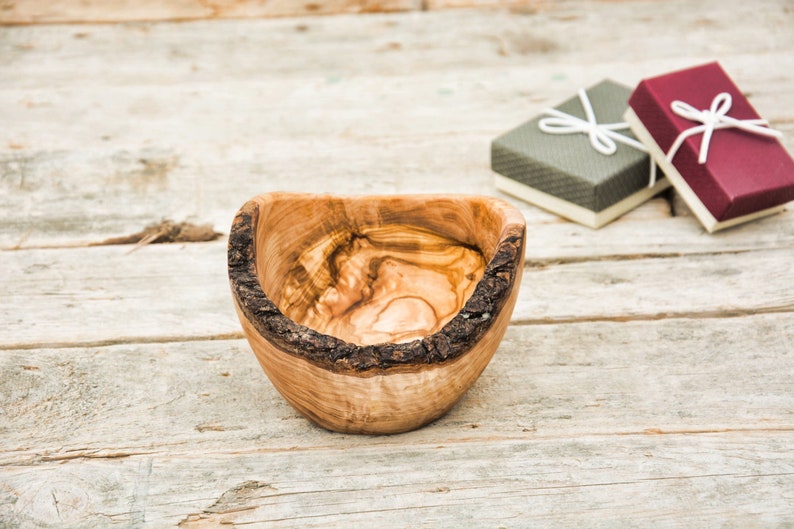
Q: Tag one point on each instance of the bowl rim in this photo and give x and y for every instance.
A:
(454, 339)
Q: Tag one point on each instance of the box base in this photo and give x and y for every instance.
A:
(690, 198)
(574, 212)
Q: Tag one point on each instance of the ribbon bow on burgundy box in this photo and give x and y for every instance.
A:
(721, 157)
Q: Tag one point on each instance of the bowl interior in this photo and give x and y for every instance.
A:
(372, 271)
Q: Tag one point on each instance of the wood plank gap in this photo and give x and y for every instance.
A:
(720, 314)
(716, 314)
(399, 442)
(552, 261)
(122, 341)
(662, 478)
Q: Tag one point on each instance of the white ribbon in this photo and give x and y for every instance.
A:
(712, 119)
(602, 135)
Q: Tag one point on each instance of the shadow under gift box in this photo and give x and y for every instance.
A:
(745, 176)
(375, 314)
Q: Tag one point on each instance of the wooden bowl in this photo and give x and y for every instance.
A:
(375, 314)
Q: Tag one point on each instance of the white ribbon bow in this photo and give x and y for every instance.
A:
(602, 135)
(712, 119)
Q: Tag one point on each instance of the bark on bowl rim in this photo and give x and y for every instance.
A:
(452, 341)
(385, 388)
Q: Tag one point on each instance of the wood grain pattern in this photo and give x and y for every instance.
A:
(284, 263)
(96, 11)
(576, 412)
(394, 283)
(72, 11)
(546, 382)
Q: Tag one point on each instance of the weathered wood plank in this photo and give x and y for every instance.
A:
(93, 11)
(173, 292)
(648, 231)
(658, 404)
(102, 115)
(556, 381)
(677, 480)
(77, 294)
(153, 184)
(407, 45)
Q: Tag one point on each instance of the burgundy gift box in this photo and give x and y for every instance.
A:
(746, 173)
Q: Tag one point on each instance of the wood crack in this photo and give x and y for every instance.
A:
(166, 231)
(341, 513)
(92, 454)
(163, 232)
(234, 500)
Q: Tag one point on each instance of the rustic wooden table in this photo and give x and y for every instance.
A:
(645, 380)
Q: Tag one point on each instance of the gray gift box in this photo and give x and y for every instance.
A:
(562, 162)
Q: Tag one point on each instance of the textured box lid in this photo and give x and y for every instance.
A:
(567, 166)
(744, 172)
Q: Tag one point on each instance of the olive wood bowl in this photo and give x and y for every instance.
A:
(375, 314)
